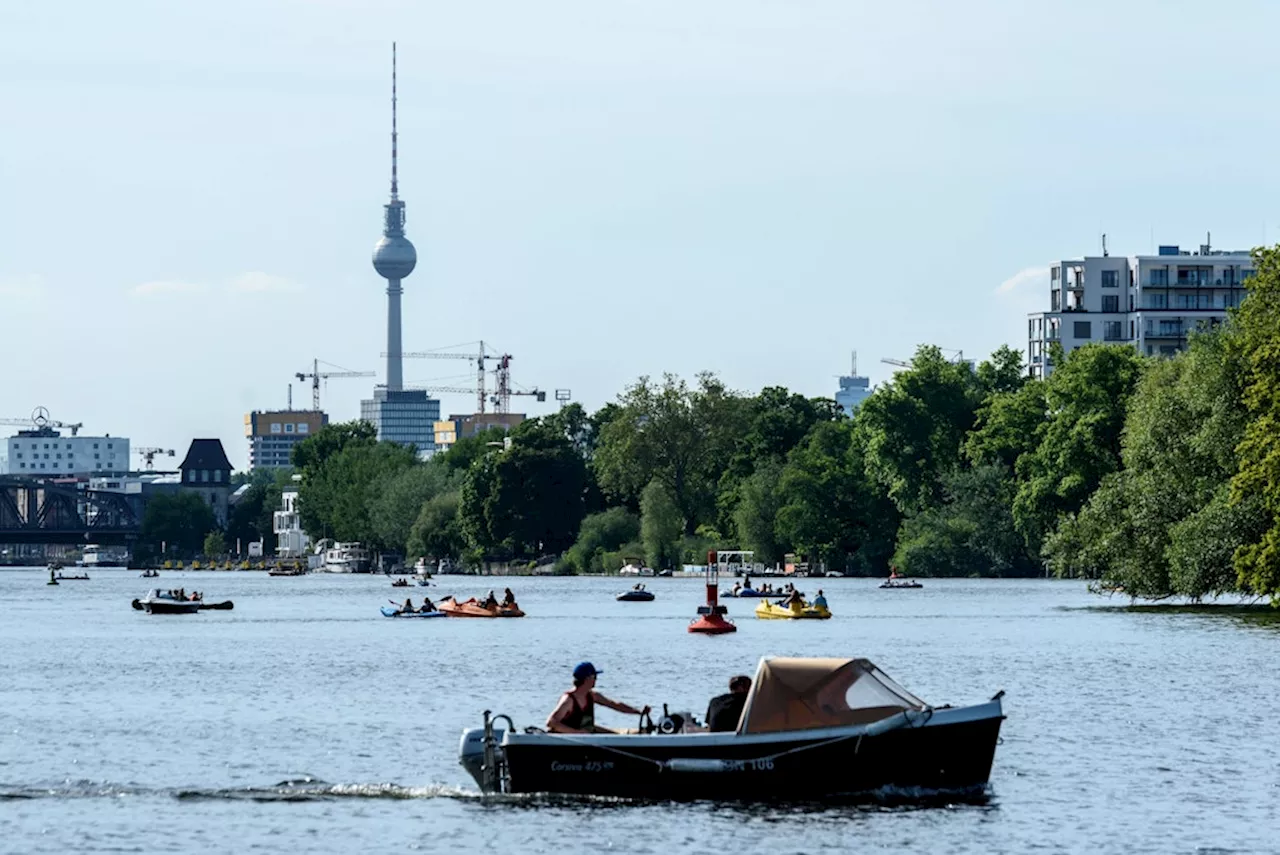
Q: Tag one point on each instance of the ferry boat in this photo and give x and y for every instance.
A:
(346, 558)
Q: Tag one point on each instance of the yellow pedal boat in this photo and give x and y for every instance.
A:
(777, 611)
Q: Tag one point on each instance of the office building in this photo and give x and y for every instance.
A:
(44, 452)
(272, 434)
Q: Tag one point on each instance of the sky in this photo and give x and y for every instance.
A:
(190, 192)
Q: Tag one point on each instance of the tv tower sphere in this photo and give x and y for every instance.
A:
(394, 257)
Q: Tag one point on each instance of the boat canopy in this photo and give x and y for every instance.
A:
(802, 693)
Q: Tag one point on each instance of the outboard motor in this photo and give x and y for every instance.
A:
(679, 722)
(471, 752)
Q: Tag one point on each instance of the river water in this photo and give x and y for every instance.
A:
(304, 721)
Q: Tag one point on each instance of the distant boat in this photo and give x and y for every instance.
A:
(346, 558)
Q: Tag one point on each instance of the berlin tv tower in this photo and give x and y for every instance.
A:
(394, 256)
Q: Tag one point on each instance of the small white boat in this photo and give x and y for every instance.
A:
(164, 603)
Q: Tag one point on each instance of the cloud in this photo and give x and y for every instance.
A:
(1021, 279)
(257, 282)
(165, 286)
(29, 285)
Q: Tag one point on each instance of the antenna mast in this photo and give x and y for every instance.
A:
(394, 186)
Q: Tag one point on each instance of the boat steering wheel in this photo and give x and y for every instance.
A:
(646, 724)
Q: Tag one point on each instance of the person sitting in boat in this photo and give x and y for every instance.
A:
(724, 710)
(408, 606)
(793, 599)
(737, 588)
(427, 606)
(490, 602)
(508, 598)
(820, 602)
(576, 711)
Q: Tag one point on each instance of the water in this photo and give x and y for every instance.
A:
(304, 721)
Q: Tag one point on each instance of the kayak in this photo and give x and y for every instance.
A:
(225, 605)
(634, 597)
(901, 585)
(473, 608)
(796, 611)
(387, 611)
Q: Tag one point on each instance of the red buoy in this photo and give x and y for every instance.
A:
(711, 618)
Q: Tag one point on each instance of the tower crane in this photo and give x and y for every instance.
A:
(316, 375)
(149, 454)
(478, 358)
(40, 420)
(907, 363)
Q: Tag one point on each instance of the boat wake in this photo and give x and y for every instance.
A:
(304, 789)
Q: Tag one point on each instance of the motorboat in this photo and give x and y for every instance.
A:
(163, 603)
(635, 595)
(795, 611)
(743, 593)
(900, 583)
(94, 555)
(280, 570)
(633, 570)
(346, 558)
(474, 608)
(387, 611)
(812, 729)
(200, 604)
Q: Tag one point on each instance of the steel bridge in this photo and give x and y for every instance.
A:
(43, 511)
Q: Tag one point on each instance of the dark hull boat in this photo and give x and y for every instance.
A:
(812, 730)
(635, 597)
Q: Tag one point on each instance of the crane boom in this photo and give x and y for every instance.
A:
(315, 375)
(40, 419)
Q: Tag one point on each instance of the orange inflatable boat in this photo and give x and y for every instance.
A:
(474, 608)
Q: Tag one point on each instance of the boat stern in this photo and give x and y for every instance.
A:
(471, 752)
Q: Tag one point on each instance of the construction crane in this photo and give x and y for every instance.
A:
(40, 420)
(149, 454)
(478, 358)
(907, 363)
(316, 375)
(502, 397)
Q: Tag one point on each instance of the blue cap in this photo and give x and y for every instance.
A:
(583, 670)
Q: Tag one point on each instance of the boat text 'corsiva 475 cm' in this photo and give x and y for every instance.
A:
(812, 729)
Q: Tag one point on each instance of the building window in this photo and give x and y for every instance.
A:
(204, 476)
(288, 428)
(1083, 329)
(1159, 278)
(217, 475)
(19, 455)
(22, 466)
(46, 445)
(1111, 330)
(303, 427)
(110, 445)
(95, 445)
(1110, 279)
(1156, 301)
(1111, 302)
(58, 455)
(275, 428)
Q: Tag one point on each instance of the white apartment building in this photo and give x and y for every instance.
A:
(1152, 302)
(45, 453)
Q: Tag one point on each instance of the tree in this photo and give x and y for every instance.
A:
(335, 500)
(1087, 395)
(660, 526)
(601, 533)
(971, 534)
(310, 455)
(829, 509)
(1008, 424)
(437, 533)
(215, 544)
(914, 427)
(756, 516)
(397, 503)
(177, 522)
(1257, 560)
(525, 500)
(469, 449)
(683, 437)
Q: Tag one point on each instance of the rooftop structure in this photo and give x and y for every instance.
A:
(1152, 302)
(854, 389)
(206, 471)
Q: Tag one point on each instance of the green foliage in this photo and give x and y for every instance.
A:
(437, 532)
(914, 428)
(682, 437)
(660, 526)
(1079, 444)
(756, 516)
(335, 499)
(971, 534)
(600, 534)
(1257, 561)
(215, 544)
(829, 509)
(527, 500)
(310, 455)
(398, 502)
(467, 450)
(1008, 425)
(177, 522)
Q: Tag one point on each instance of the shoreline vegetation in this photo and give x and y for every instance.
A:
(1158, 476)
